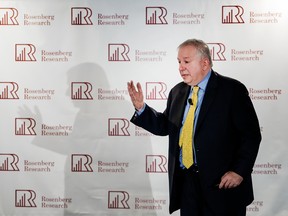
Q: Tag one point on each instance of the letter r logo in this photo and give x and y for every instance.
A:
(156, 15)
(118, 200)
(25, 52)
(217, 51)
(8, 90)
(25, 126)
(232, 14)
(8, 16)
(81, 16)
(25, 198)
(118, 52)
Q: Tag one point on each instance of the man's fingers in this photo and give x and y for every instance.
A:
(223, 183)
(230, 180)
(139, 87)
(130, 85)
(132, 89)
(136, 94)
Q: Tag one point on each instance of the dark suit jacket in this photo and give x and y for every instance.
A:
(227, 138)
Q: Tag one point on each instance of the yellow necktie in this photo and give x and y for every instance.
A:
(187, 132)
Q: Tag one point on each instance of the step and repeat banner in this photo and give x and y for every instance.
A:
(67, 146)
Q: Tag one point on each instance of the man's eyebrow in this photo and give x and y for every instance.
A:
(185, 58)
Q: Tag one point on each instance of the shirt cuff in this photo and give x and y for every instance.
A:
(139, 112)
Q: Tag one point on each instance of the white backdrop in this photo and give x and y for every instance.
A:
(67, 146)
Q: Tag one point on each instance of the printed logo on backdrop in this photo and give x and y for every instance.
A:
(118, 127)
(112, 94)
(27, 53)
(38, 19)
(255, 206)
(8, 16)
(9, 162)
(234, 14)
(84, 91)
(191, 18)
(118, 52)
(38, 94)
(121, 200)
(38, 166)
(27, 199)
(81, 163)
(112, 166)
(141, 132)
(156, 91)
(156, 164)
(112, 19)
(152, 203)
(156, 16)
(265, 94)
(8, 90)
(25, 126)
(81, 16)
(217, 51)
(118, 200)
(81, 91)
(247, 55)
(268, 168)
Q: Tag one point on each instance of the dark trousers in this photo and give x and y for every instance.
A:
(193, 202)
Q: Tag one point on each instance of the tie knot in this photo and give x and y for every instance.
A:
(195, 89)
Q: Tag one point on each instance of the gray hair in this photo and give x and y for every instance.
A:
(201, 47)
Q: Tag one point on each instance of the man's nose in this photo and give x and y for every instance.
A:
(181, 67)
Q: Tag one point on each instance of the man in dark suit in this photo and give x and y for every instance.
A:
(226, 137)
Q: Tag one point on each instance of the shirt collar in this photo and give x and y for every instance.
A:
(202, 85)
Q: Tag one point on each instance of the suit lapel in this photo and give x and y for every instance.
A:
(209, 96)
(180, 103)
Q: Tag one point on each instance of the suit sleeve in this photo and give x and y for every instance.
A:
(246, 123)
(152, 120)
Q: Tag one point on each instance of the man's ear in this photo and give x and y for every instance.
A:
(205, 63)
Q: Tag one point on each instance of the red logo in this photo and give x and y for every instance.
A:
(118, 52)
(156, 164)
(156, 16)
(8, 90)
(118, 200)
(232, 14)
(25, 198)
(81, 16)
(217, 51)
(81, 91)
(156, 91)
(25, 52)
(8, 162)
(118, 127)
(8, 16)
(81, 163)
(25, 126)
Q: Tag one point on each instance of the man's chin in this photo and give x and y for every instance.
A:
(188, 82)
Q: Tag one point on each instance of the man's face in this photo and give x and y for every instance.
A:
(192, 67)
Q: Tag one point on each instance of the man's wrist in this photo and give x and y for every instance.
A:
(141, 110)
